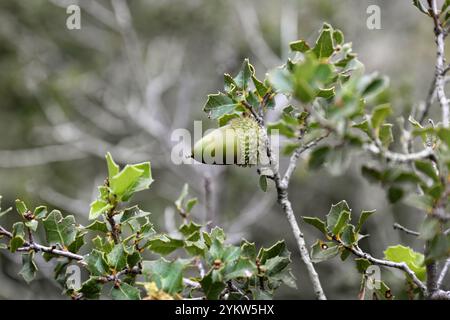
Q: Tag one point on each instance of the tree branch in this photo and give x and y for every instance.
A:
(398, 226)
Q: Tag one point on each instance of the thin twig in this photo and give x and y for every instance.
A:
(398, 226)
(443, 273)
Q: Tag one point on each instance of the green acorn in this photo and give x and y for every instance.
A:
(240, 142)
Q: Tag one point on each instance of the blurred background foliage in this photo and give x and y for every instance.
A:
(139, 69)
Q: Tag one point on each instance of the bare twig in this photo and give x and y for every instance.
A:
(296, 155)
(443, 273)
(398, 226)
(440, 62)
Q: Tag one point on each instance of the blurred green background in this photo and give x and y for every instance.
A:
(139, 69)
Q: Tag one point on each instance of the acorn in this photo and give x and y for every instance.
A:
(242, 142)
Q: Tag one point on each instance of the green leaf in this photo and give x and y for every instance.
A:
(299, 45)
(426, 167)
(373, 84)
(248, 249)
(338, 37)
(362, 265)
(245, 74)
(60, 230)
(97, 226)
(218, 105)
(281, 80)
(123, 183)
(335, 212)
(363, 217)
(113, 168)
(40, 212)
(341, 223)
(98, 207)
(395, 194)
(261, 89)
(379, 114)
(263, 183)
(324, 44)
(96, 263)
(29, 268)
(168, 276)
(439, 248)
(326, 93)
(322, 251)
(385, 134)
(21, 207)
(125, 292)
(348, 236)
(318, 157)
(117, 258)
(429, 228)
(164, 245)
(414, 260)
(77, 244)
(91, 289)
(420, 6)
(278, 249)
(32, 225)
(190, 204)
(145, 179)
(18, 238)
(382, 291)
(189, 228)
(211, 288)
(242, 268)
(316, 222)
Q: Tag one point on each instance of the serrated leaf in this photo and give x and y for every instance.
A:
(164, 245)
(117, 258)
(414, 260)
(322, 251)
(98, 207)
(113, 168)
(316, 222)
(245, 74)
(91, 289)
(363, 218)
(96, 263)
(32, 225)
(218, 105)
(348, 236)
(29, 268)
(326, 93)
(362, 265)
(60, 230)
(379, 114)
(324, 44)
(341, 223)
(21, 207)
(97, 226)
(189, 228)
(211, 288)
(334, 213)
(18, 238)
(122, 184)
(40, 212)
(426, 167)
(299, 45)
(125, 292)
(167, 275)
